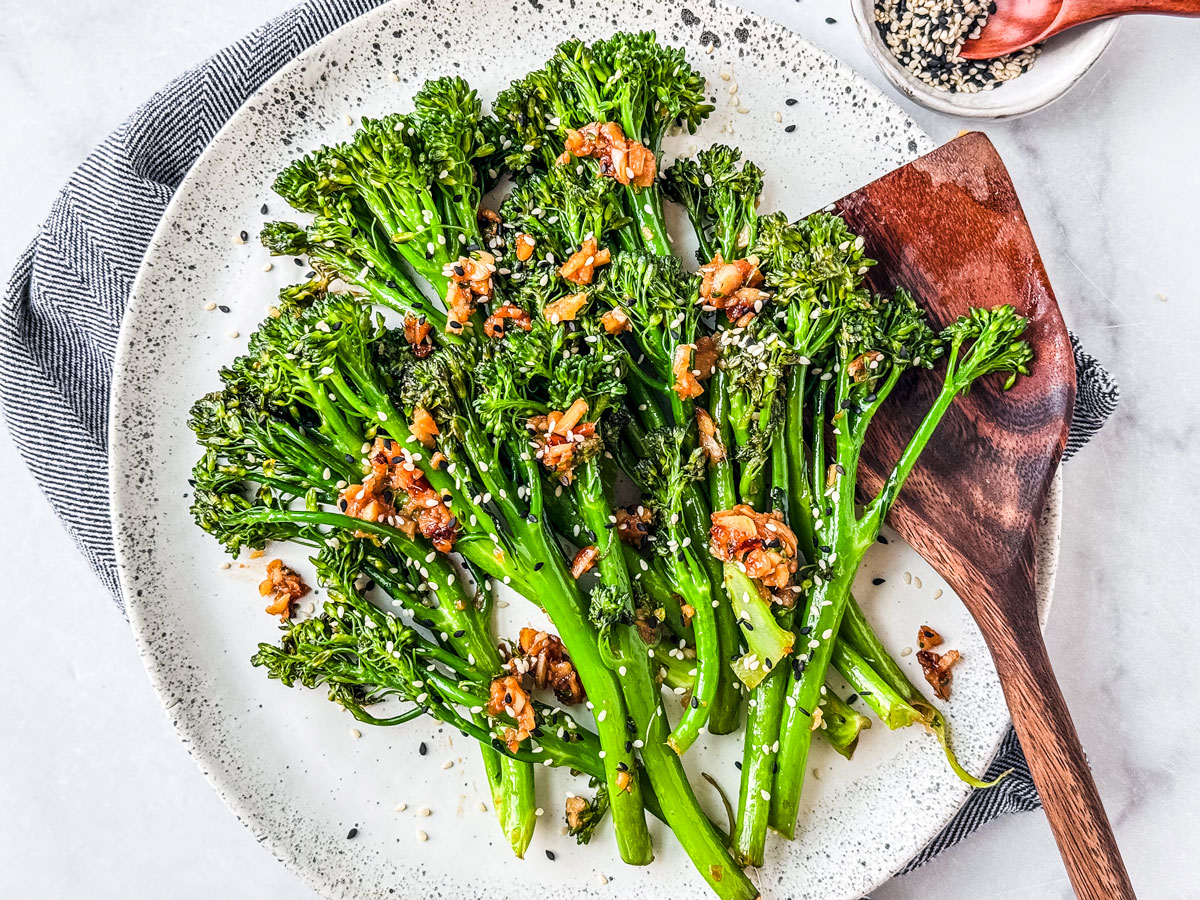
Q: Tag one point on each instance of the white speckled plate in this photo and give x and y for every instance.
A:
(285, 761)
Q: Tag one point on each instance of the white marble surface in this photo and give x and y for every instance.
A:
(97, 797)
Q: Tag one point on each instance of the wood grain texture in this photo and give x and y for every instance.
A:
(949, 227)
(1021, 23)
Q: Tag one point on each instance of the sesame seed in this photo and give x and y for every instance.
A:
(424, 812)
(210, 306)
(422, 836)
(355, 733)
(349, 120)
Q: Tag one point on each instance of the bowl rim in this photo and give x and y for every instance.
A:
(942, 101)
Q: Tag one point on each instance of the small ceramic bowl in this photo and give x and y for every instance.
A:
(1062, 63)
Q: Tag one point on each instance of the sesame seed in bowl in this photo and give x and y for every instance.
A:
(915, 43)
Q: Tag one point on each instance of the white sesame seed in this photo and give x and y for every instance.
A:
(349, 120)
(355, 733)
(422, 836)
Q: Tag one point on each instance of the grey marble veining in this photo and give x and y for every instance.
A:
(98, 799)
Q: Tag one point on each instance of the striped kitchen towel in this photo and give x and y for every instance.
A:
(62, 312)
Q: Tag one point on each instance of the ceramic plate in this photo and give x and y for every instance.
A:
(287, 762)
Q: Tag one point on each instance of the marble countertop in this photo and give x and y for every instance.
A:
(99, 799)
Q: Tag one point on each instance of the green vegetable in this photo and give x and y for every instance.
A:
(537, 430)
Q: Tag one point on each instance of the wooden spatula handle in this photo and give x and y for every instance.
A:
(1157, 7)
(1088, 10)
(1059, 769)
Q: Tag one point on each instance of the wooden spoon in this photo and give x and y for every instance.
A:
(949, 228)
(1022, 23)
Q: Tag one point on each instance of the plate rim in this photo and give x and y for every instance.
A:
(209, 764)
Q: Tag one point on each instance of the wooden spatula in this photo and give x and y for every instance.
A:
(949, 228)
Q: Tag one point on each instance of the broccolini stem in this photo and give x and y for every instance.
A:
(553, 588)
(759, 751)
(694, 586)
(646, 205)
(513, 797)
(892, 709)
(803, 696)
(840, 724)
(679, 805)
(720, 478)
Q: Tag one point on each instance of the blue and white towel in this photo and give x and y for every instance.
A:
(62, 312)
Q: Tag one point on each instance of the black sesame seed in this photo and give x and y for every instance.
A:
(738, 765)
(537, 566)
(223, 308)
(790, 128)
(881, 539)
(459, 633)
(264, 209)
(244, 236)
(806, 630)
(695, 701)
(353, 832)
(830, 20)
(298, 262)
(851, 698)
(878, 581)
(422, 749)
(790, 101)
(550, 855)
